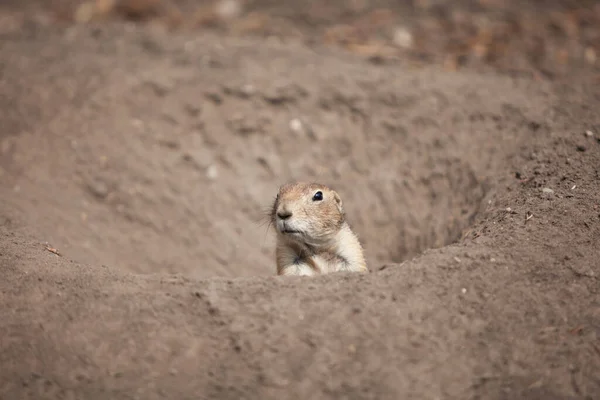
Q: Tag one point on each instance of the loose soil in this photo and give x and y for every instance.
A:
(137, 164)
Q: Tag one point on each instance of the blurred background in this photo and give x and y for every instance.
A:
(536, 36)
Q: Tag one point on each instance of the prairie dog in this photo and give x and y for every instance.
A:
(313, 236)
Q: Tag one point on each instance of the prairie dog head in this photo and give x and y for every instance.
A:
(307, 213)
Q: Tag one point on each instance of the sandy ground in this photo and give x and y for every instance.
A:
(146, 158)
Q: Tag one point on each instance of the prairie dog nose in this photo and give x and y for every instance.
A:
(284, 214)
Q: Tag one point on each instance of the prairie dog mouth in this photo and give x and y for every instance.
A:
(287, 230)
(290, 231)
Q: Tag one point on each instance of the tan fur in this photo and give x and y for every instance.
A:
(313, 237)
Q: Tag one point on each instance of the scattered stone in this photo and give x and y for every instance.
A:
(573, 187)
(247, 90)
(296, 125)
(589, 133)
(98, 188)
(547, 193)
(581, 148)
(590, 55)
(403, 38)
(212, 173)
(228, 9)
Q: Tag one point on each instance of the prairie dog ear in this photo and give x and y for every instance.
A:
(338, 201)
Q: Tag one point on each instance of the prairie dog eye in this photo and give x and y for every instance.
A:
(318, 196)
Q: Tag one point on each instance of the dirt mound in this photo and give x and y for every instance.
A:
(148, 159)
(167, 159)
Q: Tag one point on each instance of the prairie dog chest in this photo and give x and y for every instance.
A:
(310, 264)
(326, 262)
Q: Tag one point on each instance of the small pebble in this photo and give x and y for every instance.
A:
(403, 38)
(228, 9)
(296, 125)
(590, 55)
(212, 173)
(589, 133)
(581, 148)
(574, 186)
(248, 90)
(98, 188)
(464, 290)
(547, 193)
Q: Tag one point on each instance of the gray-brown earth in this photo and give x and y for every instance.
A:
(147, 158)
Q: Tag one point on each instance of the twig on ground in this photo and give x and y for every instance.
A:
(52, 250)
(528, 216)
